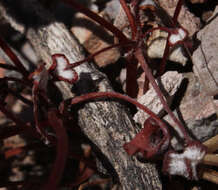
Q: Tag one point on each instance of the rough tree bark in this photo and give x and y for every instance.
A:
(105, 123)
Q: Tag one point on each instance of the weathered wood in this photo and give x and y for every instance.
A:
(106, 123)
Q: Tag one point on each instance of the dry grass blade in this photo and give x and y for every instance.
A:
(210, 175)
(212, 144)
(210, 159)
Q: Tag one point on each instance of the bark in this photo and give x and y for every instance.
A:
(106, 123)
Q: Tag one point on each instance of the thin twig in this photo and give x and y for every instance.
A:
(212, 144)
(211, 159)
(139, 55)
(98, 19)
(209, 175)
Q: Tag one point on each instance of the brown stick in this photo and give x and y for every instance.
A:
(210, 175)
(210, 159)
(105, 123)
(212, 144)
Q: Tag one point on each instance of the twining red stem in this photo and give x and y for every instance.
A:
(90, 57)
(131, 76)
(61, 149)
(39, 122)
(167, 47)
(130, 17)
(98, 19)
(95, 95)
(177, 11)
(168, 30)
(141, 58)
(14, 58)
(164, 58)
(166, 50)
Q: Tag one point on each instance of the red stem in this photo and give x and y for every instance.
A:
(14, 58)
(130, 17)
(39, 122)
(166, 50)
(90, 57)
(61, 149)
(98, 19)
(177, 11)
(131, 77)
(157, 28)
(139, 55)
(167, 47)
(164, 58)
(95, 95)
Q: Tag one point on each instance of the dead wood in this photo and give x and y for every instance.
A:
(105, 123)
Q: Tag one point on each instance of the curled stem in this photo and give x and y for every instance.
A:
(61, 150)
(130, 18)
(95, 95)
(177, 11)
(14, 58)
(139, 55)
(98, 19)
(90, 57)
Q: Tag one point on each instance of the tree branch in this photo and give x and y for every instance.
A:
(105, 123)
